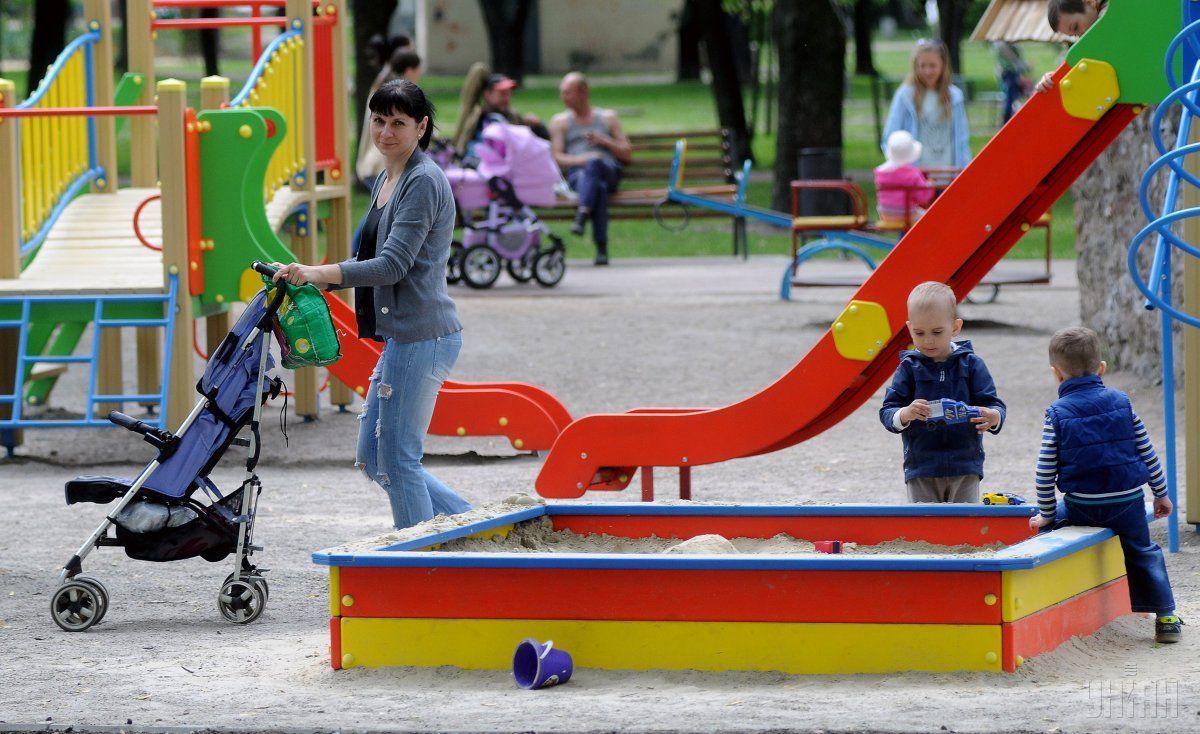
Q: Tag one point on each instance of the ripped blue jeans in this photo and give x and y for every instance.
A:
(393, 424)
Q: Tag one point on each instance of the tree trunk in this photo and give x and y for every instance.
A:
(121, 49)
(505, 21)
(1107, 217)
(687, 67)
(739, 41)
(370, 17)
(50, 18)
(864, 64)
(951, 14)
(210, 44)
(908, 14)
(727, 89)
(811, 42)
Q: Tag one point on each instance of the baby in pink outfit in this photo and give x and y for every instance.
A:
(903, 191)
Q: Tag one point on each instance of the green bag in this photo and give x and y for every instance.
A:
(304, 328)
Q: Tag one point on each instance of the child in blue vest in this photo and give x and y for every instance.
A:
(1095, 448)
(943, 461)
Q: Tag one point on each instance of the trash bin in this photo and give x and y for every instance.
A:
(815, 164)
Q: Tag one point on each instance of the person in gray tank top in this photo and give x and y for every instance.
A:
(590, 147)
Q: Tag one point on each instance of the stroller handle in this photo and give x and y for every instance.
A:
(163, 440)
(129, 423)
(263, 269)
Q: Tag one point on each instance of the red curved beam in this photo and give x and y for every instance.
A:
(530, 417)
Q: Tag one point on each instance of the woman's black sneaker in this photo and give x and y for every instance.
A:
(1168, 629)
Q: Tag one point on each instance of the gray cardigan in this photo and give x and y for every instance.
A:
(412, 245)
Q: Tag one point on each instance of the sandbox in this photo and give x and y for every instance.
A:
(986, 594)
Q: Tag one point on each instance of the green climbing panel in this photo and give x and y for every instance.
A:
(1133, 36)
(234, 156)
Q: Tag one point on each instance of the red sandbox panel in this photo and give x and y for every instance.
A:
(1078, 616)
(895, 597)
(335, 642)
(865, 530)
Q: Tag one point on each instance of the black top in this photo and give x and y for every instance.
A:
(364, 298)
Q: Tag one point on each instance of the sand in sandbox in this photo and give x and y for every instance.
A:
(539, 536)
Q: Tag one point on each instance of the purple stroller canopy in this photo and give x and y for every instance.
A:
(513, 153)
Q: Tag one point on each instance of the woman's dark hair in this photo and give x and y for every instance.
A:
(401, 95)
(402, 60)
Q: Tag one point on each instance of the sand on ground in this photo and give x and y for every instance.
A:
(670, 332)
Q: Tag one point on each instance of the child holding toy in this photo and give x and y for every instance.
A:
(1098, 453)
(1070, 18)
(943, 460)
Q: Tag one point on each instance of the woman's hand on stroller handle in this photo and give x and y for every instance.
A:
(299, 274)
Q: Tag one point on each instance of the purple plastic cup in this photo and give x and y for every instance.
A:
(540, 666)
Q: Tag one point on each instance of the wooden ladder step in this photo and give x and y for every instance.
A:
(46, 370)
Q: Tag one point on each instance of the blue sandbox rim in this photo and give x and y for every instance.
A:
(1031, 553)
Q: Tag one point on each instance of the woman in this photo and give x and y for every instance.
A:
(932, 109)
(399, 281)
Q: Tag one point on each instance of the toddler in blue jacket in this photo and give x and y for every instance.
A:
(943, 460)
(1098, 453)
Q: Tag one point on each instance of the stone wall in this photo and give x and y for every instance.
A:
(1107, 216)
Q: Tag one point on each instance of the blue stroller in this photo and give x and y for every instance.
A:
(172, 510)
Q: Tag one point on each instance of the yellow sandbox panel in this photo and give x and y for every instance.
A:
(790, 648)
(335, 592)
(1026, 592)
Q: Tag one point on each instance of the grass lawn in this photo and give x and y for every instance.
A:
(655, 104)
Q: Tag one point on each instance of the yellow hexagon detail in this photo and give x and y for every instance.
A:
(1089, 89)
(861, 331)
(249, 284)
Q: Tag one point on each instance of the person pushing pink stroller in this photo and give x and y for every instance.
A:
(515, 171)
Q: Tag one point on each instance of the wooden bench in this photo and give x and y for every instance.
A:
(643, 182)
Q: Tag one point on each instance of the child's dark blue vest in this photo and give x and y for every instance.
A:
(1096, 450)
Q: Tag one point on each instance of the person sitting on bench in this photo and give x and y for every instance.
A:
(590, 147)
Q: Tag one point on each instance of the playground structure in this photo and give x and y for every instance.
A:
(994, 201)
(208, 195)
(408, 604)
(1157, 286)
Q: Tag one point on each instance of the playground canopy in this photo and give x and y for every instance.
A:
(1016, 20)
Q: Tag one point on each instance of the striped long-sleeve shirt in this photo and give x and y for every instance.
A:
(1047, 467)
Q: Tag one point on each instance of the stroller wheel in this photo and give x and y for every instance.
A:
(549, 267)
(75, 606)
(101, 591)
(521, 270)
(260, 582)
(480, 266)
(454, 264)
(241, 602)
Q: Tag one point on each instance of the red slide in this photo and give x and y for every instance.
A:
(991, 204)
(529, 416)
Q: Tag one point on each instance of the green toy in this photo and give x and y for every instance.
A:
(304, 328)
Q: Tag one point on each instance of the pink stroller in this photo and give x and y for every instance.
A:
(515, 171)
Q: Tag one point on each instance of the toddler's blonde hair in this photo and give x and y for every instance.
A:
(933, 295)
